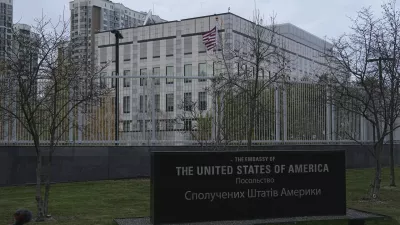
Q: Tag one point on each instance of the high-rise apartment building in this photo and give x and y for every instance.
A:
(6, 23)
(91, 16)
(6, 20)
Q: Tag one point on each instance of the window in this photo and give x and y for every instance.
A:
(143, 81)
(187, 45)
(156, 72)
(169, 125)
(127, 82)
(157, 102)
(187, 101)
(202, 71)
(188, 72)
(113, 79)
(169, 103)
(141, 124)
(127, 125)
(113, 54)
(156, 49)
(126, 104)
(143, 50)
(103, 83)
(187, 124)
(201, 45)
(170, 72)
(143, 103)
(170, 47)
(202, 101)
(127, 52)
(103, 55)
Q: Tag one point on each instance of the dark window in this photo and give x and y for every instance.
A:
(169, 125)
(170, 73)
(188, 72)
(170, 102)
(187, 101)
(127, 126)
(143, 81)
(157, 102)
(143, 103)
(187, 124)
(126, 104)
(127, 82)
(202, 101)
(156, 72)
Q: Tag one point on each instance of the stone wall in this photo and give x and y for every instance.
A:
(74, 164)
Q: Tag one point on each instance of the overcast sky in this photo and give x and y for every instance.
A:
(320, 17)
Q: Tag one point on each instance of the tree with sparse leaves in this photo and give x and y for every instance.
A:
(364, 78)
(250, 65)
(42, 84)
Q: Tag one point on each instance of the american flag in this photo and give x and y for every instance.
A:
(210, 38)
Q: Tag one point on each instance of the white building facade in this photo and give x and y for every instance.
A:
(176, 49)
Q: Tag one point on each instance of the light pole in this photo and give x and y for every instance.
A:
(118, 36)
(379, 60)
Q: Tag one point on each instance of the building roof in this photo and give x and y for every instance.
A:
(220, 14)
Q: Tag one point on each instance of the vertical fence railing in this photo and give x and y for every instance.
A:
(172, 110)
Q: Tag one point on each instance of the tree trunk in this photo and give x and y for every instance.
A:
(391, 159)
(47, 186)
(39, 200)
(251, 123)
(48, 177)
(376, 186)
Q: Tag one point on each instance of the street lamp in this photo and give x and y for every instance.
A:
(379, 60)
(118, 36)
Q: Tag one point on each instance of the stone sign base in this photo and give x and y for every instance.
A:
(353, 216)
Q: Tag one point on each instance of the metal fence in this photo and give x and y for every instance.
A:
(168, 110)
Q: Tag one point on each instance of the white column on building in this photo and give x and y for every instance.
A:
(362, 129)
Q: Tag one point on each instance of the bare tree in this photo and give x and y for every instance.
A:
(250, 65)
(209, 128)
(43, 85)
(388, 47)
(360, 82)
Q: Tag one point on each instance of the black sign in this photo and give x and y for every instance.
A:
(243, 185)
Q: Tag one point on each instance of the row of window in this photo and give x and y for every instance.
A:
(188, 103)
(161, 125)
(202, 72)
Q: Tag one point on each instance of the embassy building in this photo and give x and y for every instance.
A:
(176, 49)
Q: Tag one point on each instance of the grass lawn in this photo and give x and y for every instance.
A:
(100, 202)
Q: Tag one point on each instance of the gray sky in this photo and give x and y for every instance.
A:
(319, 17)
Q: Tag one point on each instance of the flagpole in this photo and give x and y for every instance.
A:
(219, 97)
(215, 124)
(216, 34)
